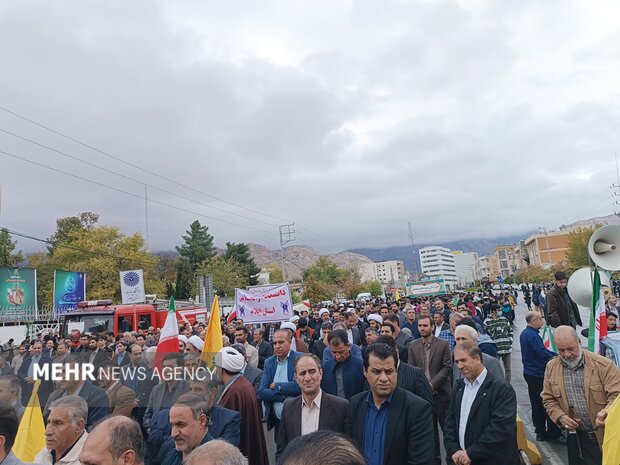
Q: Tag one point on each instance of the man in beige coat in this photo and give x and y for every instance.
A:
(579, 386)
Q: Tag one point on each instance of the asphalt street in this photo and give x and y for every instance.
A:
(551, 452)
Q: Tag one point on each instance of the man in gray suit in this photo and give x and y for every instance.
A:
(252, 374)
(165, 394)
(8, 431)
(312, 411)
(464, 332)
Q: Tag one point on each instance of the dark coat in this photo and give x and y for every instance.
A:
(253, 375)
(352, 376)
(414, 380)
(281, 390)
(491, 430)
(241, 397)
(265, 350)
(224, 424)
(558, 310)
(409, 435)
(46, 387)
(95, 397)
(332, 417)
(439, 366)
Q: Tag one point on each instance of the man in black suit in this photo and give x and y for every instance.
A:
(389, 425)
(26, 373)
(265, 350)
(409, 378)
(490, 405)
(312, 411)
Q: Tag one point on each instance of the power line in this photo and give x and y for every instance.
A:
(131, 193)
(152, 173)
(65, 246)
(73, 157)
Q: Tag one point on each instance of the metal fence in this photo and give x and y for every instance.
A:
(27, 315)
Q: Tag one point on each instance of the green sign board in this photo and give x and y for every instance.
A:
(426, 288)
(19, 289)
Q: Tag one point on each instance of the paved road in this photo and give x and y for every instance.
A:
(552, 453)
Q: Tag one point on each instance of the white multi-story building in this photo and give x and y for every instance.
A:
(384, 272)
(465, 263)
(438, 263)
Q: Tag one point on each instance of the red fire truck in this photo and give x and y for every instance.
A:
(99, 316)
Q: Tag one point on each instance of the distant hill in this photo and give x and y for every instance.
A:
(480, 246)
(300, 257)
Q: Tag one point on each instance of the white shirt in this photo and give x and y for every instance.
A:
(310, 414)
(469, 394)
(438, 330)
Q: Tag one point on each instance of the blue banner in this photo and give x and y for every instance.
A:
(69, 289)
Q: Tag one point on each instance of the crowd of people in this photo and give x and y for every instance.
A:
(379, 382)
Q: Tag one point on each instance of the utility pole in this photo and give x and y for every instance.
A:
(413, 253)
(544, 230)
(146, 214)
(286, 236)
(616, 186)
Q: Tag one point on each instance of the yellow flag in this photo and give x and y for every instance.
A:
(213, 337)
(396, 295)
(30, 438)
(611, 443)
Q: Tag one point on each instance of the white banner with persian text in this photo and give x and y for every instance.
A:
(132, 287)
(268, 306)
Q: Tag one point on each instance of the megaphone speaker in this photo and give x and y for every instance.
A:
(580, 285)
(604, 247)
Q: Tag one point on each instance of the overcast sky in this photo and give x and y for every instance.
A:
(350, 118)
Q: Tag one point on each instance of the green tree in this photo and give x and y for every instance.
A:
(227, 275)
(65, 227)
(374, 287)
(7, 249)
(197, 246)
(169, 290)
(326, 271)
(241, 254)
(577, 253)
(317, 290)
(275, 274)
(183, 288)
(100, 252)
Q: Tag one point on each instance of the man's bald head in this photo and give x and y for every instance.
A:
(115, 441)
(568, 345)
(216, 452)
(565, 334)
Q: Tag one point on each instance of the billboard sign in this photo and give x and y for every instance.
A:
(19, 289)
(268, 306)
(426, 288)
(69, 289)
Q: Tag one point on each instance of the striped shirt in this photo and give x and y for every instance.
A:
(501, 332)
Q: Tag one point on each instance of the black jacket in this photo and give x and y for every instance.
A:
(491, 430)
(332, 417)
(409, 436)
(559, 306)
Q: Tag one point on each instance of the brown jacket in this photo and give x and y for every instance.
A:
(121, 400)
(602, 385)
(439, 363)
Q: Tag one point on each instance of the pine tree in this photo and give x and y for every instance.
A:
(241, 254)
(183, 289)
(198, 246)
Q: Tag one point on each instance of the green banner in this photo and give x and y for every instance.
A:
(19, 289)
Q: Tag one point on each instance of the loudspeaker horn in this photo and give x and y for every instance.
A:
(604, 247)
(580, 285)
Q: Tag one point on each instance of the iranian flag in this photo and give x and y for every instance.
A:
(168, 339)
(547, 337)
(598, 320)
